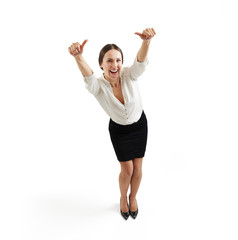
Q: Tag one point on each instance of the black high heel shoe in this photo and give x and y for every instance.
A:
(125, 215)
(133, 213)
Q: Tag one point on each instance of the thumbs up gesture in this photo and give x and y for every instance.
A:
(147, 34)
(76, 48)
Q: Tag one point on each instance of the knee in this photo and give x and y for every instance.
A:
(127, 172)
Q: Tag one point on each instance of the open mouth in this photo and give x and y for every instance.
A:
(113, 71)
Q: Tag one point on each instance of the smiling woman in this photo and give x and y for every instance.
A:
(106, 49)
(111, 64)
(118, 94)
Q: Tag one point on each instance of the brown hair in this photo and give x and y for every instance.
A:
(105, 49)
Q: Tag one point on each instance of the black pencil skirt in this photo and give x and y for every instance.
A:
(129, 141)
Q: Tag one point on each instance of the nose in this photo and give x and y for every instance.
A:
(114, 64)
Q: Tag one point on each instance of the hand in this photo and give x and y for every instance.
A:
(147, 34)
(76, 49)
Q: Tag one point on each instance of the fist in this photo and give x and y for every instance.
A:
(76, 48)
(147, 34)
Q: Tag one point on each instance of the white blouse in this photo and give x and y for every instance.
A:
(131, 110)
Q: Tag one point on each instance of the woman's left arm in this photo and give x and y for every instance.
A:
(146, 36)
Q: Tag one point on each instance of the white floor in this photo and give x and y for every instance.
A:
(175, 202)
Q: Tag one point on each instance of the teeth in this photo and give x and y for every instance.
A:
(114, 71)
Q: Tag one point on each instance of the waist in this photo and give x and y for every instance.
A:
(142, 122)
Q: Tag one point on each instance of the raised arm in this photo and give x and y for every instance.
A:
(146, 36)
(76, 50)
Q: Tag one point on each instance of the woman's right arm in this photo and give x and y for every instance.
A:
(76, 50)
(90, 80)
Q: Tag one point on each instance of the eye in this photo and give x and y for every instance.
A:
(118, 60)
(109, 60)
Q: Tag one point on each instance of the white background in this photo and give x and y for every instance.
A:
(59, 172)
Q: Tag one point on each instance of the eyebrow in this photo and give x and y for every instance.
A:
(112, 58)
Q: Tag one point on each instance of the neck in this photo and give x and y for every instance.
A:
(114, 83)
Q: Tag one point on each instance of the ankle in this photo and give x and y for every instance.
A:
(124, 197)
(132, 197)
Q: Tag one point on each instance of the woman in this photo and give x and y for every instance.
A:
(118, 94)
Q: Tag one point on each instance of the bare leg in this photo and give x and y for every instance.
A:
(124, 182)
(135, 182)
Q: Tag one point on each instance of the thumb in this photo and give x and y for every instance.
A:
(139, 34)
(84, 42)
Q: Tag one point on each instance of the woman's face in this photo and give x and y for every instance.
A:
(112, 64)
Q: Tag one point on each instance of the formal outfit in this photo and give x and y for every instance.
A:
(128, 124)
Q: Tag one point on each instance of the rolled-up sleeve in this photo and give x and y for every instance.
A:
(137, 68)
(91, 83)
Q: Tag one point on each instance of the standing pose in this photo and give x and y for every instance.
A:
(118, 94)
